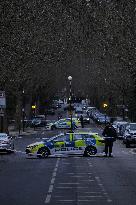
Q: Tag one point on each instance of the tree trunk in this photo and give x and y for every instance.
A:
(18, 114)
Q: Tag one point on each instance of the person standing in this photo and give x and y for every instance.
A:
(110, 136)
(82, 121)
(59, 116)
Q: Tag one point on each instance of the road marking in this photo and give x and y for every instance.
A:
(85, 200)
(77, 176)
(66, 200)
(70, 183)
(132, 151)
(53, 180)
(90, 165)
(18, 151)
(91, 196)
(48, 197)
(83, 173)
(55, 170)
(103, 189)
(50, 188)
(92, 192)
(54, 174)
(71, 187)
(87, 180)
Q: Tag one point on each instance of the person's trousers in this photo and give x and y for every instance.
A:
(108, 146)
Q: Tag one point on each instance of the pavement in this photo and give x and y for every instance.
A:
(27, 131)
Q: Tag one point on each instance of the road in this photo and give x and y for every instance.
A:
(67, 180)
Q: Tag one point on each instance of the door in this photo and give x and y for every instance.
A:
(59, 144)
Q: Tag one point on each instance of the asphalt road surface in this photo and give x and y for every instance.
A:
(67, 180)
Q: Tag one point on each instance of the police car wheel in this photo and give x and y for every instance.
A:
(89, 151)
(43, 152)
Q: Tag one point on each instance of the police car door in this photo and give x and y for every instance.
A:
(74, 143)
(59, 144)
(79, 143)
(69, 143)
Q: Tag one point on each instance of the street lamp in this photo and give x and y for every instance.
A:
(70, 102)
(105, 106)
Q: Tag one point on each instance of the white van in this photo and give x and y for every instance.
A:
(90, 110)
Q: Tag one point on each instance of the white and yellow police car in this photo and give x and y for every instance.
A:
(87, 144)
(63, 124)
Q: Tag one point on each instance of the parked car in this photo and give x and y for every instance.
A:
(102, 119)
(37, 122)
(94, 114)
(120, 127)
(6, 143)
(85, 143)
(86, 119)
(129, 137)
(90, 110)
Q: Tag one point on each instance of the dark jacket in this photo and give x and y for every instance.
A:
(109, 131)
(81, 119)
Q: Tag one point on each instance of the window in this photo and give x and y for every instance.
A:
(60, 138)
(3, 136)
(88, 136)
(78, 137)
(61, 121)
(132, 126)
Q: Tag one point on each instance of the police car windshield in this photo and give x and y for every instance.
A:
(55, 138)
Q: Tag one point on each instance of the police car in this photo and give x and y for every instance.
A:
(63, 124)
(6, 143)
(87, 144)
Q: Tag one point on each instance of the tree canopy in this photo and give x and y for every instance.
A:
(44, 41)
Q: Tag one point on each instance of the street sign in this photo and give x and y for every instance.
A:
(2, 99)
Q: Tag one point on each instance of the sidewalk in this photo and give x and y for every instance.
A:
(27, 131)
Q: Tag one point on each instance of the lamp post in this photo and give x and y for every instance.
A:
(70, 102)
(23, 110)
